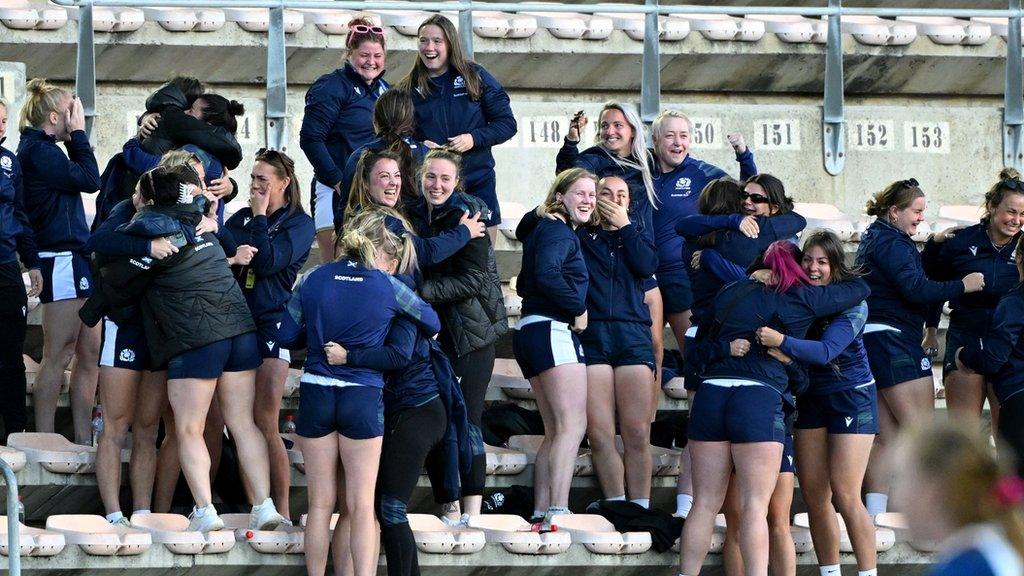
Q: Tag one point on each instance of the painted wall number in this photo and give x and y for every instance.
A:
(871, 135)
(707, 133)
(777, 134)
(926, 137)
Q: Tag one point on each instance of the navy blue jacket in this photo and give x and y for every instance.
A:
(677, 192)
(999, 355)
(16, 235)
(282, 241)
(338, 119)
(553, 281)
(447, 111)
(53, 184)
(900, 290)
(618, 261)
(967, 251)
(330, 303)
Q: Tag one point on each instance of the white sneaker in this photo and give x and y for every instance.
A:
(264, 516)
(462, 522)
(122, 521)
(204, 519)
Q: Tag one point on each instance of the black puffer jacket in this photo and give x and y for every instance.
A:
(189, 299)
(177, 129)
(464, 289)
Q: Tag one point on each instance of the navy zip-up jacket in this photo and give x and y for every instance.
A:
(900, 290)
(338, 119)
(447, 111)
(330, 303)
(16, 235)
(677, 192)
(971, 250)
(54, 184)
(553, 281)
(418, 150)
(282, 241)
(618, 261)
(999, 355)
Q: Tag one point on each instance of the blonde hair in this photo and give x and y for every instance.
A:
(640, 155)
(897, 195)
(659, 122)
(552, 204)
(179, 158)
(42, 99)
(995, 195)
(366, 233)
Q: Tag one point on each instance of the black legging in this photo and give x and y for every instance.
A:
(409, 437)
(474, 372)
(13, 312)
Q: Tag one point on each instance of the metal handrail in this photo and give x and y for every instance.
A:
(13, 531)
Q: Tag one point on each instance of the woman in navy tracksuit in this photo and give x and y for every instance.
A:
(737, 419)
(900, 296)
(53, 184)
(986, 247)
(274, 235)
(955, 492)
(16, 240)
(553, 284)
(460, 105)
(341, 407)
(837, 418)
(338, 119)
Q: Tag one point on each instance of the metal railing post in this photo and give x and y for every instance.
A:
(277, 83)
(85, 64)
(466, 30)
(1013, 93)
(13, 532)
(832, 114)
(650, 70)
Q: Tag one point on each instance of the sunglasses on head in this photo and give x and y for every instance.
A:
(755, 198)
(911, 183)
(1012, 184)
(364, 29)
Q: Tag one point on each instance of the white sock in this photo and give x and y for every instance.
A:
(143, 511)
(537, 513)
(621, 498)
(872, 572)
(114, 516)
(831, 570)
(876, 503)
(645, 502)
(683, 504)
(202, 511)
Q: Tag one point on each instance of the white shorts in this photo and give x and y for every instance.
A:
(323, 207)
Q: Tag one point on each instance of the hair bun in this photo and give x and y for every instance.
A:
(360, 21)
(1009, 173)
(235, 108)
(37, 86)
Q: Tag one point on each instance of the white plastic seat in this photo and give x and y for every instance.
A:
(489, 25)
(507, 375)
(171, 530)
(129, 19)
(291, 383)
(406, 22)
(331, 22)
(172, 19)
(793, 29)
(284, 540)
(962, 214)
(97, 537)
(258, 19)
(885, 538)
(563, 25)
(515, 535)
(503, 461)
(633, 24)
(725, 27)
(599, 536)
(924, 230)
(998, 26)
(32, 541)
(519, 25)
(948, 31)
(434, 537)
(529, 444)
(511, 214)
(801, 539)
(54, 452)
(513, 305)
(14, 458)
(19, 15)
(826, 216)
(209, 20)
(674, 388)
(897, 522)
(875, 31)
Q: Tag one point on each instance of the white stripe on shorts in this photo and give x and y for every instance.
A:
(563, 351)
(732, 382)
(323, 198)
(308, 378)
(62, 280)
(284, 354)
(109, 343)
(532, 319)
(691, 332)
(869, 328)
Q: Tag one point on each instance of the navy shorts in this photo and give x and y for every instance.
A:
(738, 414)
(896, 357)
(853, 411)
(125, 347)
(618, 344)
(66, 276)
(236, 354)
(788, 462)
(675, 291)
(355, 412)
(485, 189)
(648, 284)
(269, 346)
(955, 339)
(540, 346)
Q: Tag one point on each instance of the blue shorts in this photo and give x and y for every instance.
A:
(618, 344)
(738, 414)
(66, 276)
(355, 412)
(485, 189)
(853, 411)
(896, 357)
(540, 346)
(675, 291)
(269, 347)
(125, 347)
(788, 462)
(955, 339)
(236, 354)
(648, 284)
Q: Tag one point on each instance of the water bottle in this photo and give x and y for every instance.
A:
(289, 425)
(97, 424)
(21, 510)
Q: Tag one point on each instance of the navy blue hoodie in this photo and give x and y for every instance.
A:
(337, 120)
(53, 186)
(16, 235)
(999, 355)
(900, 291)
(553, 281)
(618, 261)
(971, 250)
(282, 241)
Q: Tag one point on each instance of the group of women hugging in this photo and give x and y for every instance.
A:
(797, 360)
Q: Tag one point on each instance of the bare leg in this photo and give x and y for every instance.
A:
(117, 394)
(150, 402)
(565, 392)
(757, 471)
(236, 391)
(60, 333)
(321, 461)
(712, 465)
(190, 399)
(635, 425)
(608, 463)
(361, 459)
(84, 378)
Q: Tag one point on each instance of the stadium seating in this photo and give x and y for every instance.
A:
(503, 461)
(171, 530)
(514, 535)
(434, 537)
(54, 452)
(885, 538)
(599, 535)
(284, 540)
(31, 541)
(97, 537)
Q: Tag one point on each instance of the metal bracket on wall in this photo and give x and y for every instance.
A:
(833, 137)
(85, 65)
(650, 70)
(277, 84)
(466, 31)
(1013, 94)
